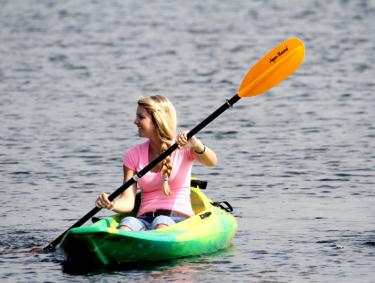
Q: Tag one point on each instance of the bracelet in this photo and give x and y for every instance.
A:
(201, 152)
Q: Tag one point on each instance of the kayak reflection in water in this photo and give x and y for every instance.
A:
(165, 190)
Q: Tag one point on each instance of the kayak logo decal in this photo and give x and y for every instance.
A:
(280, 53)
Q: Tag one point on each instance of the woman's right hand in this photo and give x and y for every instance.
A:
(103, 202)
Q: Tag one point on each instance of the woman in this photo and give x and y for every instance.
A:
(166, 188)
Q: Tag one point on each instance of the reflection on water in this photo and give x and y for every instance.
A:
(181, 270)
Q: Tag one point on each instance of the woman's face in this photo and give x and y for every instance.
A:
(144, 122)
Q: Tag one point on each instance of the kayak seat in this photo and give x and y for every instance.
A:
(197, 202)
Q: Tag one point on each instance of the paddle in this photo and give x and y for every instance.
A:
(273, 68)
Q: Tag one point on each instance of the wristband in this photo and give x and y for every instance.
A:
(201, 152)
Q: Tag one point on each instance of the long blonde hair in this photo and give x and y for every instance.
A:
(164, 117)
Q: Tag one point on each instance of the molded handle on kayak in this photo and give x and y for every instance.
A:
(228, 207)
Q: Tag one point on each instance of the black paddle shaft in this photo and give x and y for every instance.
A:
(229, 103)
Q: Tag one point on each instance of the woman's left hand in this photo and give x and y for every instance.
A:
(182, 139)
(202, 153)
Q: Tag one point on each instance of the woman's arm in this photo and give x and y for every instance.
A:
(125, 202)
(201, 152)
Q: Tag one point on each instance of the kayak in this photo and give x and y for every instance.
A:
(210, 229)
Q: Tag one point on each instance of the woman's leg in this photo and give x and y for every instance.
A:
(163, 221)
(131, 223)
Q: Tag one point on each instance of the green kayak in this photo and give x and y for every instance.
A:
(210, 230)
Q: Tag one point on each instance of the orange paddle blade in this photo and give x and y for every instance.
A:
(273, 68)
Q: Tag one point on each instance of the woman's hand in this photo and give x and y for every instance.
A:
(182, 139)
(195, 144)
(202, 153)
(103, 202)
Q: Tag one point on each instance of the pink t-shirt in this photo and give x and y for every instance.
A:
(151, 184)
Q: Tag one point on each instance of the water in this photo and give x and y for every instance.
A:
(297, 163)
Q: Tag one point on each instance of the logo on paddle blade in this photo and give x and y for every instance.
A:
(273, 59)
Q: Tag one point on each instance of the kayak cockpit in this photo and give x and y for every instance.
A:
(198, 201)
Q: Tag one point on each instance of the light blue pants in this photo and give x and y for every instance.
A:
(147, 223)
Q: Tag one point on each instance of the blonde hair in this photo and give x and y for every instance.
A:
(164, 117)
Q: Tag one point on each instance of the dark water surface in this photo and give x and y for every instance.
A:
(297, 163)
